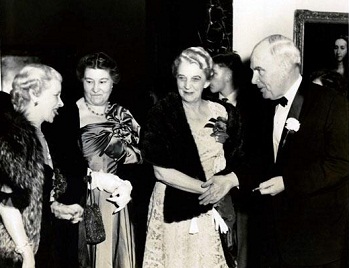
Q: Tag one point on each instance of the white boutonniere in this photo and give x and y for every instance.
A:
(292, 125)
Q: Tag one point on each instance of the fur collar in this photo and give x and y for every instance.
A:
(21, 168)
(168, 143)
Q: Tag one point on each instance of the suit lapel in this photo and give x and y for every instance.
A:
(294, 112)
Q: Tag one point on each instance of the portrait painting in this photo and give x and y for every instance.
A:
(315, 34)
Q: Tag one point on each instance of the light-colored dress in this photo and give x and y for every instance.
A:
(170, 245)
(102, 144)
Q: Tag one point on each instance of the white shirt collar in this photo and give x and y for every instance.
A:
(291, 93)
(231, 97)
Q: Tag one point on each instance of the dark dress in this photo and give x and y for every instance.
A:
(70, 187)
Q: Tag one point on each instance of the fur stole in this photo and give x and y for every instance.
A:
(168, 142)
(21, 168)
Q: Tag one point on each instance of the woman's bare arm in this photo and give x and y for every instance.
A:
(179, 180)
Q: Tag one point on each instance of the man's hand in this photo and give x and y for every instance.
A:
(273, 186)
(217, 188)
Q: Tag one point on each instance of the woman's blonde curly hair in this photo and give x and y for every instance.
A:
(35, 77)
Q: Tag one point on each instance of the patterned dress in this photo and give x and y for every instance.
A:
(170, 245)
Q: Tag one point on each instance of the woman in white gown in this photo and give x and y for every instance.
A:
(186, 140)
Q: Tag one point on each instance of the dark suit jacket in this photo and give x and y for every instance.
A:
(306, 223)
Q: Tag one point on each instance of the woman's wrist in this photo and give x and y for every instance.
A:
(24, 248)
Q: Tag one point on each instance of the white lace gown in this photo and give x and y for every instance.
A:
(170, 245)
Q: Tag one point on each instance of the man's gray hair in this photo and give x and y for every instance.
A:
(283, 47)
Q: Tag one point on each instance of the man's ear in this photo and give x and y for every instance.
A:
(228, 76)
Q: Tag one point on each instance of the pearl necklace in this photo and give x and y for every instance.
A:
(99, 114)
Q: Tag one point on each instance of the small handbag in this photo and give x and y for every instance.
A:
(94, 227)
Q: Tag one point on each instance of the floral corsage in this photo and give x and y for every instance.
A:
(219, 128)
(292, 125)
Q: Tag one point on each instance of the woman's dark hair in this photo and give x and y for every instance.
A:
(233, 62)
(98, 60)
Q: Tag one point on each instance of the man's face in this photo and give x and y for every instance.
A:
(220, 78)
(269, 73)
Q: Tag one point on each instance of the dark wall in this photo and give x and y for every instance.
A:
(175, 25)
(172, 26)
(143, 36)
(61, 31)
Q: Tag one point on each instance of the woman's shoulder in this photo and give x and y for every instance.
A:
(170, 99)
(21, 153)
(117, 107)
(167, 106)
(17, 135)
(217, 108)
(16, 128)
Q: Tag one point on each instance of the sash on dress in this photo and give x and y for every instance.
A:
(111, 138)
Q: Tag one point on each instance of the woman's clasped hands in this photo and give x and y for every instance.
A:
(217, 187)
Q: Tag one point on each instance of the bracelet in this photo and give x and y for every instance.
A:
(20, 249)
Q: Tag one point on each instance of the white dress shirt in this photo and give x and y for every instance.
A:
(231, 97)
(281, 114)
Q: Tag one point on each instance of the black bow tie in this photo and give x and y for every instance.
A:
(282, 101)
(224, 100)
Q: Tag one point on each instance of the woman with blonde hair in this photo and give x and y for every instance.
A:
(188, 140)
(30, 194)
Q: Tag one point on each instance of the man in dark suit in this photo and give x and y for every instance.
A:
(229, 85)
(301, 165)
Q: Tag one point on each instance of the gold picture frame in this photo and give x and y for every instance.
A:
(313, 34)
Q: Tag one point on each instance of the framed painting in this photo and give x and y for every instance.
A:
(315, 34)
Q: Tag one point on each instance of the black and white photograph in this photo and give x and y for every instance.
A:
(174, 134)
